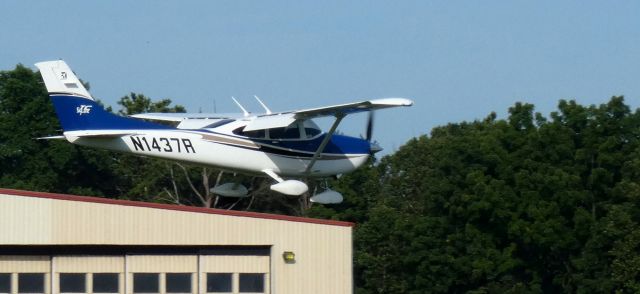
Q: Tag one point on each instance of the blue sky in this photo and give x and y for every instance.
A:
(458, 60)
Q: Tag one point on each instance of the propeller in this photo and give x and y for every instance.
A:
(369, 127)
(374, 147)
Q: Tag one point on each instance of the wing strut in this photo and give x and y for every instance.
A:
(324, 143)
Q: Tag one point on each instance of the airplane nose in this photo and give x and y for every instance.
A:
(374, 147)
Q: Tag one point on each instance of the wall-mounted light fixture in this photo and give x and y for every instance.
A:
(289, 257)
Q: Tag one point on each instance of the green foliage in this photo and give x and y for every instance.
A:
(521, 205)
(42, 165)
(139, 103)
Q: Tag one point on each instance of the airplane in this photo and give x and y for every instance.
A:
(275, 144)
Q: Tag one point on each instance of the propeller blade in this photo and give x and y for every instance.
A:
(369, 127)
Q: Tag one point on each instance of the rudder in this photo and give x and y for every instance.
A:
(76, 109)
(59, 78)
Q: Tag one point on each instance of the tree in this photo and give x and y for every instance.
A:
(525, 204)
(135, 103)
(42, 165)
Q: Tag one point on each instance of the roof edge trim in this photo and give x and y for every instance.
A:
(78, 198)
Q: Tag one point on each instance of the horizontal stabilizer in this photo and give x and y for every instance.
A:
(51, 138)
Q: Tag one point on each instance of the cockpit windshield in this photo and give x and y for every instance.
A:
(296, 131)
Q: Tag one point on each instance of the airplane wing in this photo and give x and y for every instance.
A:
(189, 120)
(283, 119)
(178, 117)
(349, 108)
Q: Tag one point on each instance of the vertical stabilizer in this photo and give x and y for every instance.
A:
(58, 78)
(76, 109)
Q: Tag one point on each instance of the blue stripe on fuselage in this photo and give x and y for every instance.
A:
(77, 113)
(338, 144)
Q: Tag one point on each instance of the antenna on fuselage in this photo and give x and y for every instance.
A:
(263, 106)
(246, 113)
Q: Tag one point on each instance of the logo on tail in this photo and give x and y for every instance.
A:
(83, 109)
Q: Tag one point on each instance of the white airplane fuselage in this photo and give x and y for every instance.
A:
(223, 151)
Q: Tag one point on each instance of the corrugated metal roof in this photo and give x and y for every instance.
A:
(109, 201)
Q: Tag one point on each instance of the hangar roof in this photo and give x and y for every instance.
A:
(77, 198)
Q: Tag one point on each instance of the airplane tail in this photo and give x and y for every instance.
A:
(75, 107)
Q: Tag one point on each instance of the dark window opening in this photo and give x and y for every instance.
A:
(72, 283)
(5, 283)
(239, 131)
(31, 283)
(106, 283)
(311, 132)
(146, 283)
(285, 133)
(255, 134)
(251, 283)
(178, 283)
(219, 282)
(260, 134)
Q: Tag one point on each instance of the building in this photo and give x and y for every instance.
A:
(53, 243)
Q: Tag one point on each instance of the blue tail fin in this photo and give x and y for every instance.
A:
(78, 113)
(75, 107)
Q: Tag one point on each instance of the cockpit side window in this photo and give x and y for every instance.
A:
(301, 129)
(261, 134)
(291, 132)
(311, 132)
(311, 129)
(255, 134)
